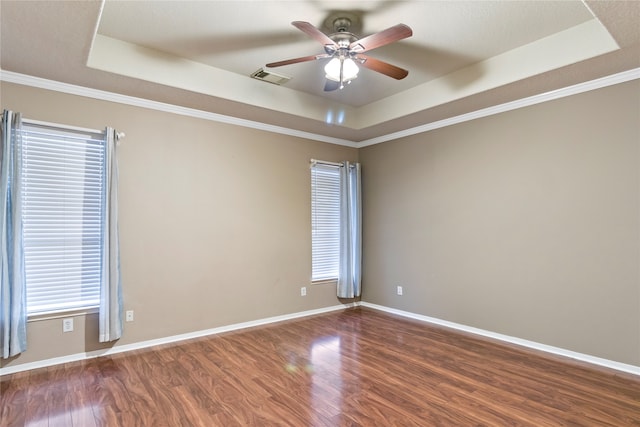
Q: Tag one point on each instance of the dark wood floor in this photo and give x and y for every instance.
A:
(359, 367)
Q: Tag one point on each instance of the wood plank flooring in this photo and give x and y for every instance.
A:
(358, 367)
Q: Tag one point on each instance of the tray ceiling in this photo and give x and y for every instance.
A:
(463, 55)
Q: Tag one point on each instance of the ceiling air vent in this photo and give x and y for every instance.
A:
(268, 77)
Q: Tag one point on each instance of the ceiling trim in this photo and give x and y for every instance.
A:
(26, 80)
(131, 60)
(538, 57)
(602, 82)
(578, 43)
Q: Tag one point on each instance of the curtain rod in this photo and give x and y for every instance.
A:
(322, 162)
(120, 135)
(58, 125)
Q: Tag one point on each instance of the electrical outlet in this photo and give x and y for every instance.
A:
(128, 316)
(67, 324)
(303, 291)
(399, 290)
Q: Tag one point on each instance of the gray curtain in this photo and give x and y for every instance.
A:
(350, 277)
(13, 292)
(110, 313)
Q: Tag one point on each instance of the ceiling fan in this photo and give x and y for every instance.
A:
(347, 51)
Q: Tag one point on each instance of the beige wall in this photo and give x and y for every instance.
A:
(214, 221)
(526, 223)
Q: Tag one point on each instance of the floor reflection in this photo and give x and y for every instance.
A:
(327, 384)
(82, 416)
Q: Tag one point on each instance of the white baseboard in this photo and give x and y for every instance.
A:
(237, 326)
(166, 340)
(632, 369)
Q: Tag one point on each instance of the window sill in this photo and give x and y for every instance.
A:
(60, 314)
(325, 282)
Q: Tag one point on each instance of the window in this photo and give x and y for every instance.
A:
(325, 221)
(63, 176)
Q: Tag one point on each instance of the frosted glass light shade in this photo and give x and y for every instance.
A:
(349, 70)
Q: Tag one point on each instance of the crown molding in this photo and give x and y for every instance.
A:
(611, 80)
(26, 80)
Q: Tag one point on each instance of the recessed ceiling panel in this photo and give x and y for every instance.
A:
(242, 36)
(457, 49)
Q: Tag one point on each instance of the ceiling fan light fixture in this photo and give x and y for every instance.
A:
(344, 49)
(345, 67)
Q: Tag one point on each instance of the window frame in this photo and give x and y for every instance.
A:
(92, 145)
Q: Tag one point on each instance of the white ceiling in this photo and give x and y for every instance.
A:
(463, 55)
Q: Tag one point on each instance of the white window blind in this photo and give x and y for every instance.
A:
(62, 196)
(325, 221)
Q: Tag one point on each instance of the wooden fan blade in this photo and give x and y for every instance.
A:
(330, 85)
(296, 60)
(384, 37)
(382, 67)
(313, 32)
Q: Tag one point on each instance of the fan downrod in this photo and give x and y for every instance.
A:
(341, 35)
